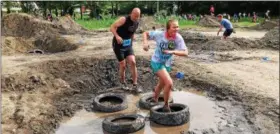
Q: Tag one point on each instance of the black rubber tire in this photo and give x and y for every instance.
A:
(145, 103)
(112, 108)
(178, 117)
(137, 123)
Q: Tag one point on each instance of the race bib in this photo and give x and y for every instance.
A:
(126, 42)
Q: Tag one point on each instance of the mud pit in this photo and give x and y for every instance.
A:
(40, 92)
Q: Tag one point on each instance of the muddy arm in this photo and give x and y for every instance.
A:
(145, 41)
(117, 24)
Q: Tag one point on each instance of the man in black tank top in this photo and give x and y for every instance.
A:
(123, 30)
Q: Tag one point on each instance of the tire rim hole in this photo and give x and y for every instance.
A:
(111, 100)
(124, 119)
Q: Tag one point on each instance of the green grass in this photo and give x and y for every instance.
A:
(246, 24)
(94, 24)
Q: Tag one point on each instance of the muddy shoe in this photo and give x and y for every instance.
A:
(124, 86)
(166, 109)
(137, 89)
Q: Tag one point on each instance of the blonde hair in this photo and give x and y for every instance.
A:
(169, 23)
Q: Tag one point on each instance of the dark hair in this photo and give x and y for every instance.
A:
(154, 28)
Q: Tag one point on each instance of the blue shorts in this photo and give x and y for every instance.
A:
(158, 66)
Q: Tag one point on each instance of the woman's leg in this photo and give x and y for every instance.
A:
(158, 89)
(168, 83)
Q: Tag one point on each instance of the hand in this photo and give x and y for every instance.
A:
(168, 52)
(119, 39)
(146, 47)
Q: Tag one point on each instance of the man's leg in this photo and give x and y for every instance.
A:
(129, 55)
(131, 61)
(122, 66)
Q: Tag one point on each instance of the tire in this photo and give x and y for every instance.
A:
(179, 116)
(136, 123)
(119, 99)
(146, 104)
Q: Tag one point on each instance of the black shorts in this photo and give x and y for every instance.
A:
(122, 52)
(228, 32)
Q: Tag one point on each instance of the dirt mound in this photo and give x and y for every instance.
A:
(208, 21)
(12, 45)
(23, 33)
(24, 25)
(198, 41)
(267, 25)
(229, 44)
(46, 43)
(67, 25)
(271, 38)
(146, 23)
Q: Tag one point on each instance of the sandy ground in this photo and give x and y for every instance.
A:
(246, 74)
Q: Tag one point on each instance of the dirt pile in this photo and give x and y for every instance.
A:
(24, 25)
(146, 23)
(23, 32)
(67, 25)
(270, 24)
(271, 38)
(208, 21)
(230, 44)
(198, 41)
(12, 45)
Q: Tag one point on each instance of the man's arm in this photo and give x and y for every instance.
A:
(221, 27)
(115, 26)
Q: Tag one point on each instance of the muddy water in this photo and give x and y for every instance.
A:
(205, 114)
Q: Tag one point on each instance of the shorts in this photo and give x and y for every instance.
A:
(228, 32)
(122, 52)
(158, 66)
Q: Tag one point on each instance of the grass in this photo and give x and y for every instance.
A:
(94, 24)
(246, 24)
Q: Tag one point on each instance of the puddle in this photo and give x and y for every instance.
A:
(205, 114)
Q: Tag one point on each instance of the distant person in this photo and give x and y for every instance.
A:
(50, 18)
(228, 16)
(254, 19)
(249, 15)
(267, 15)
(123, 30)
(226, 24)
(200, 17)
(244, 15)
(212, 10)
(239, 15)
(194, 17)
(235, 17)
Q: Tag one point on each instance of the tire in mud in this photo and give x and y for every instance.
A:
(179, 115)
(145, 101)
(119, 100)
(123, 124)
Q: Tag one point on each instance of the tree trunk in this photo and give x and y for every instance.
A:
(8, 7)
(56, 12)
(157, 6)
(81, 11)
(112, 4)
(117, 9)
